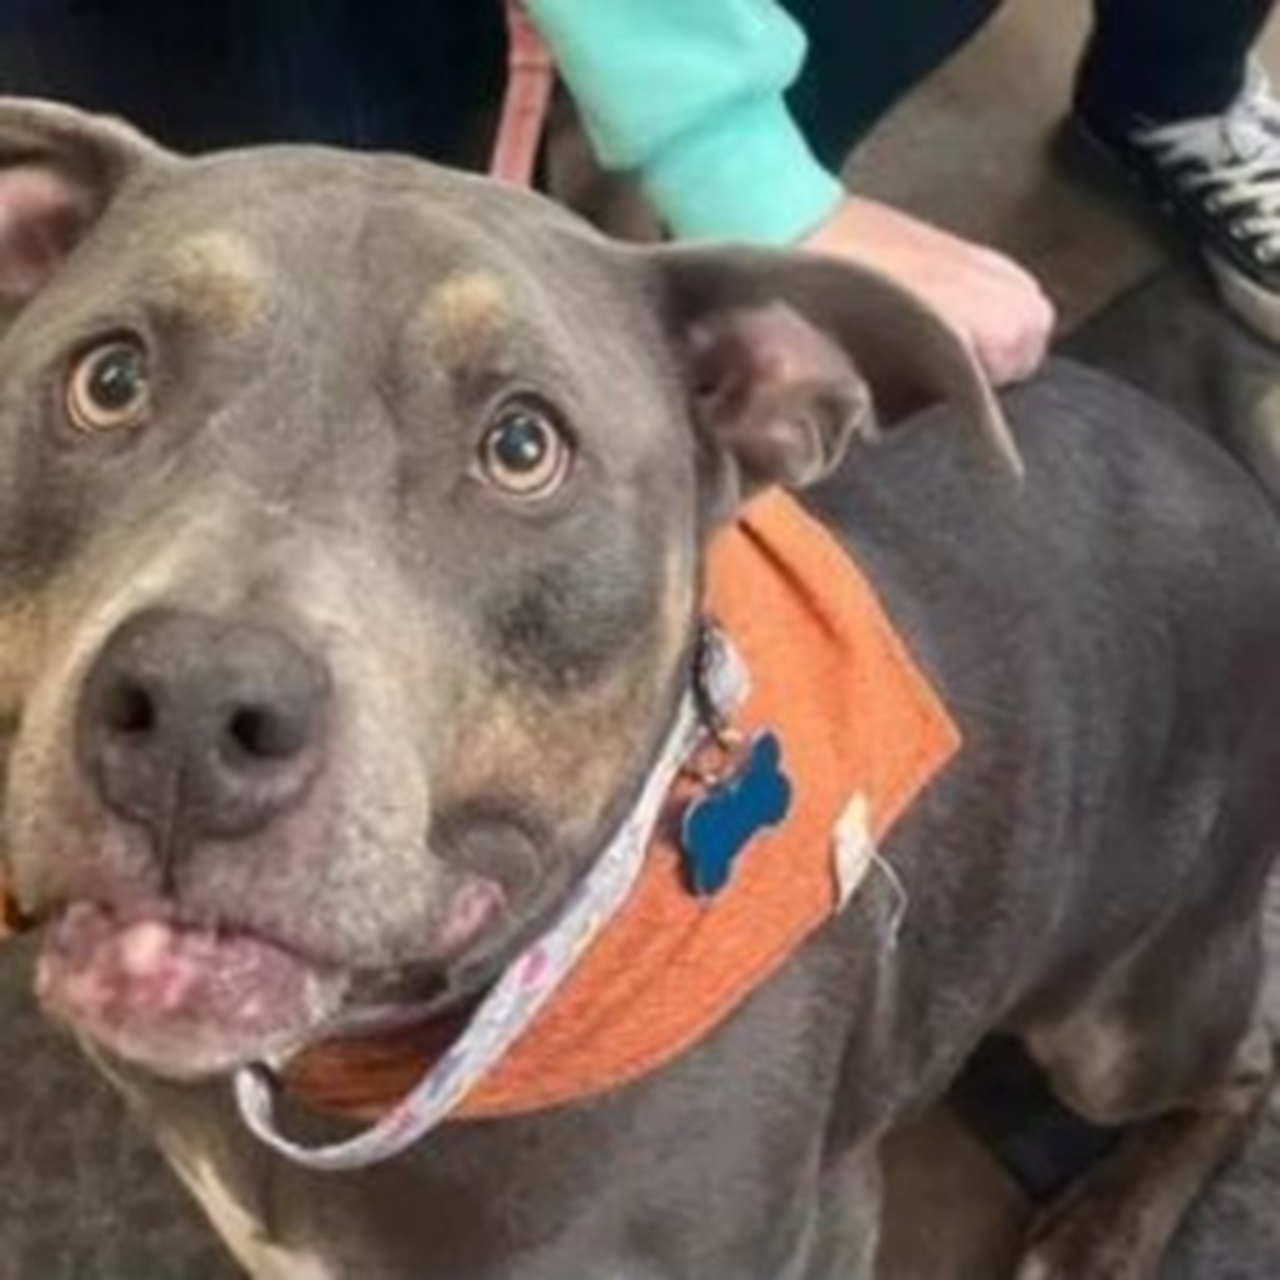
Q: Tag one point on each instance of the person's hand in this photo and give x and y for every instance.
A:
(987, 298)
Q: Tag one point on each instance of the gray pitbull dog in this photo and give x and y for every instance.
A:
(352, 514)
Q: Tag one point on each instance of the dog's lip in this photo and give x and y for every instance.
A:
(179, 1000)
(173, 993)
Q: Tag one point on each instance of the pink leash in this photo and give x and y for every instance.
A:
(530, 78)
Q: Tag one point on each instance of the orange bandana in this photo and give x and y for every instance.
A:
(861, 731)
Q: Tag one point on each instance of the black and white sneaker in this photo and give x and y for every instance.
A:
(1219, 177)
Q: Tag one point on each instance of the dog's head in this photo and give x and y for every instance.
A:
(350, 523)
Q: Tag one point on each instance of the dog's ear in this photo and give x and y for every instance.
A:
(784, 354)
(59, 170)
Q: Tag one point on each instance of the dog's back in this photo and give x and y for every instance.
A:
(1107, 635)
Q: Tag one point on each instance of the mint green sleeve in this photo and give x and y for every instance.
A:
(689, 94)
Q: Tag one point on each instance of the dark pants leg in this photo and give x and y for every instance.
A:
(406, 75)
(1169, 59)
(865, 54)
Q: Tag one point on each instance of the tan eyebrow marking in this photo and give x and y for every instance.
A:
(464, 317)
(222, 278)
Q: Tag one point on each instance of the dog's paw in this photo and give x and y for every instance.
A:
(1066, 1245)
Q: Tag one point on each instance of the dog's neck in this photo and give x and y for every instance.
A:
(718, 684)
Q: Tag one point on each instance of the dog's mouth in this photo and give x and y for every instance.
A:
(188, 1001)
(180, 1000)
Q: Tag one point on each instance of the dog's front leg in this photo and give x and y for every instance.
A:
(866, 1185)
(1117, 1222)
(846, 1230)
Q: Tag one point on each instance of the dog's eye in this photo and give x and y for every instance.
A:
(109, 387)
(525, 452)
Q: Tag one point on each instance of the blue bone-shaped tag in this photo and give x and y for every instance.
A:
(719, 825)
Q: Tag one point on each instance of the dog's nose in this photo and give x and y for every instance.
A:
(196, 727)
